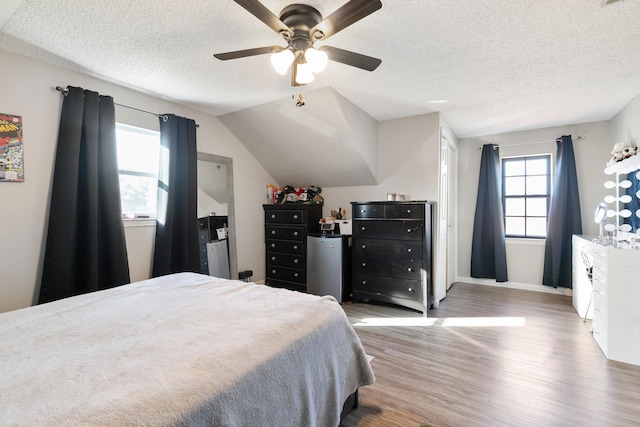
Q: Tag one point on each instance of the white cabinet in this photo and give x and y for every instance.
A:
(615, 288)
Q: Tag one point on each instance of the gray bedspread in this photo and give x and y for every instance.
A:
(183, 349)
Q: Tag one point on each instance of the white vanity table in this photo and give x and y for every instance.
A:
(615, 286)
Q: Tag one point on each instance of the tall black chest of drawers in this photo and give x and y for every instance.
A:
(286, 228)
(392, 253)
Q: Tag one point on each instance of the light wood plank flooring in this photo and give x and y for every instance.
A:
(490, 356)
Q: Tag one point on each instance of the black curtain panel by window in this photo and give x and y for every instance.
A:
(565, 219)
(488, 251)
(176, 245)
(85, 249)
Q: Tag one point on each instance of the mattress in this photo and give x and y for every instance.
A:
(182, 349)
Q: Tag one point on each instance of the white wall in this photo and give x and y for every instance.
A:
(408, 151)
(625, 126)
(28, 90)
(525, 258)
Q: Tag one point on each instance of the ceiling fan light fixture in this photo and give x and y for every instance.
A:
(281, 61)
(316, 59)
(304, 74)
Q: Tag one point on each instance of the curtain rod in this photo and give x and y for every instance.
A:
(164, 117)
(536, 142)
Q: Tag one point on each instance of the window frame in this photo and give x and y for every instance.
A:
(128, 216)
(526, 196)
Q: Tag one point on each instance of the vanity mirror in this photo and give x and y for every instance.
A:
(216, 203)
(600, 217)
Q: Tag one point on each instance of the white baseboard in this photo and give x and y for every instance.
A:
(515, 285)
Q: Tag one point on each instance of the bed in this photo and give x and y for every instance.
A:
(183, 349)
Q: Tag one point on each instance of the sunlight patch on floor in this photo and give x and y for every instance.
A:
(445, 321)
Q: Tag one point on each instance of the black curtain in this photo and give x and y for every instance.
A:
(176, 246)
(488, 252)
(85, 249)
(564, 218)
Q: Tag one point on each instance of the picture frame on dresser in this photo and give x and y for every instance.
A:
(392, 253)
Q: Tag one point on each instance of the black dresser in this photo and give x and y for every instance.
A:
(392, 253)
(286, 227)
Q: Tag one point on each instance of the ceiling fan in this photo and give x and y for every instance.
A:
(301, 26)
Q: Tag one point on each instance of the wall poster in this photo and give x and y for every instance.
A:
(11, 150)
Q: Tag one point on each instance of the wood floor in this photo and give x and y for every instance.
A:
(490, 356)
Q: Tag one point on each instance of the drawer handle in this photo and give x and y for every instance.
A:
(295, 247)
(295, 233)
(273, 271)
(408, 230)
(295, 216)
(409, 250)
(410, 290)
(364, 246)
(273, 216)
(363, 228)
(295, 274)
(273, 245)
(364, 282)
(363, 211)
(408, 211)
(273, 258)
(273, 232)
(364, 264)
(409, 269)
(295, 261)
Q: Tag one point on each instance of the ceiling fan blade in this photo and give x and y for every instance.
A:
(258, 10)
(351, 12)
(247, 52)
(358, 60)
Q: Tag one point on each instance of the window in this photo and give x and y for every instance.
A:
(526, 189)
(138, 160)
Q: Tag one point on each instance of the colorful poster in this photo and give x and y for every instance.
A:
(11, 151)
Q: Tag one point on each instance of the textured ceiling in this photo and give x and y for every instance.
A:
(502, 65)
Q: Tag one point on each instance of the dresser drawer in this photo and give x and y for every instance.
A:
(396, 249)
(368, 211)
(288, 233)
(404, 211)
(397, 230)
(285, 273)
(600, 301)
(388, 267)
(599, 284)
(284, 260)
(600, 330)
(388, 286)
(286, 246)
(284, 216)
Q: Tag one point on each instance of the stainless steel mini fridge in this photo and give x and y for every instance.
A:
(329, 265)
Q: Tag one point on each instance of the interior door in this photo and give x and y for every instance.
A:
(446, 240)
(452, 213)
